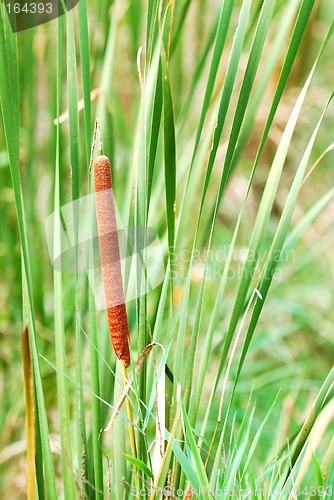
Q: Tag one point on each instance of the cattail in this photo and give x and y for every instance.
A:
(110, 259)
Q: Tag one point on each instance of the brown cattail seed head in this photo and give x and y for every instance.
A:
(110, 259)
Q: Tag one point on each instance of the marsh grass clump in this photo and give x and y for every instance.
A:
(220, 138)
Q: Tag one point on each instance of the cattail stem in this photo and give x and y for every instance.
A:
(130, 415)
(131, 428)
(111, 270)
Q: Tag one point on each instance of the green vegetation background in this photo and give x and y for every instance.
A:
(292, 349)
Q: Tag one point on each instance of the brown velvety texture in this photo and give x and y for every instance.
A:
(110, 259)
